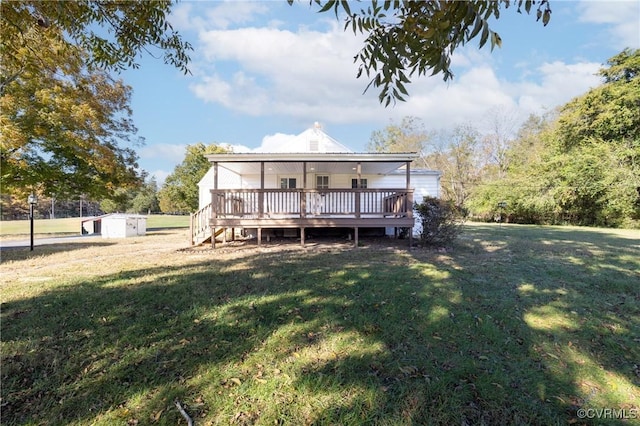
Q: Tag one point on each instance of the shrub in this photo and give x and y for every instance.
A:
(441, 221)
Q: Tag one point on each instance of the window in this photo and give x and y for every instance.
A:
(287, 183)
(354, 183)
(322, 182)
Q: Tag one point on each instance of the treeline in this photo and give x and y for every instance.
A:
(177, 195)
(579, 164)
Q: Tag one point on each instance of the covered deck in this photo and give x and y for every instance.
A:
(302, 208)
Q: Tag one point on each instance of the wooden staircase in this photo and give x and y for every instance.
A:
(200, 228)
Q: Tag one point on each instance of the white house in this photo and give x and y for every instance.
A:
(317, 183)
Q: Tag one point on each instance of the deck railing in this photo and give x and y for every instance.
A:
(305, 203)
(200, 227)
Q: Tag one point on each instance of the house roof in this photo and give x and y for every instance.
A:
(283, 163)
(320, 152)
(311, 140)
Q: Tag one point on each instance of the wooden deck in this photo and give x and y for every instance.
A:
(306, 208)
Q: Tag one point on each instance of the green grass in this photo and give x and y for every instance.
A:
(513, 325)
(72, 225)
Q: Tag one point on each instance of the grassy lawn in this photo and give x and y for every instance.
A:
(513, 325)
(72, 225)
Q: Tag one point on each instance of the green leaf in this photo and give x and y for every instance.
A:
(477, 27)
(327, 6)
(495, 40)
(485, 34)
(546, 17)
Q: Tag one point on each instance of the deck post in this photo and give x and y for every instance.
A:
(215, 175)
(302, 237)
(355, 237)
(259, 236)
(193, 240)
(303, 193)
(408, 174)
(261, 193)
(213, 237)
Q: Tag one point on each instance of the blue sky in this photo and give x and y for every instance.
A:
(269, 70)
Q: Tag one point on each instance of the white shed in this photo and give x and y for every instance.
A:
(123, 225)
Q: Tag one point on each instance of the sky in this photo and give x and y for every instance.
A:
(266, 71)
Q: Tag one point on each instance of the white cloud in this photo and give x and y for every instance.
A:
(621, 17)
(221, 16)
(302, 74)
(559, 83)
(279, 142)
(309, 75)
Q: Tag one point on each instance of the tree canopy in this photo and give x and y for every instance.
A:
(409, 135)
(583, 166)
(64, 126)
(67, 125)
(579, 164)
(113, 33)
(180, 190)
(407, 38)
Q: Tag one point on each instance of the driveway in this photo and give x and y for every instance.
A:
(10, 244)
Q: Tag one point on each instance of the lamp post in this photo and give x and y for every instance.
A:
(33, 200)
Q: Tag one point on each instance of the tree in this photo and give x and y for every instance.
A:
(408, 136)
(64, 119)
(113, 33)
(143, 199)
(64, 126)
(501, 124)
(457, 157)
(146, 198)
(583, 166)
(609, 112)
(598, 135)
(180, 190)
(407, 38)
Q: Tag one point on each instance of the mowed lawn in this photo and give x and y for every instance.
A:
(512, 325)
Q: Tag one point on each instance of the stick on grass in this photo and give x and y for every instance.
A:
(184, 413)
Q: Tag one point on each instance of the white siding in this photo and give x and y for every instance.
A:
(226, 180)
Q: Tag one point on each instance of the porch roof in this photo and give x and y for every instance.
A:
(325, 162)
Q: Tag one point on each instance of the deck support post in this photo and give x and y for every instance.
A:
(302, 237)
(259, 236)
(213, 237)
(261, 193)
(355, 237)
(224, 235)
(191, 218)
(303, 194)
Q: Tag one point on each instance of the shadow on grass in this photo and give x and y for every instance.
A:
(499, 331)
